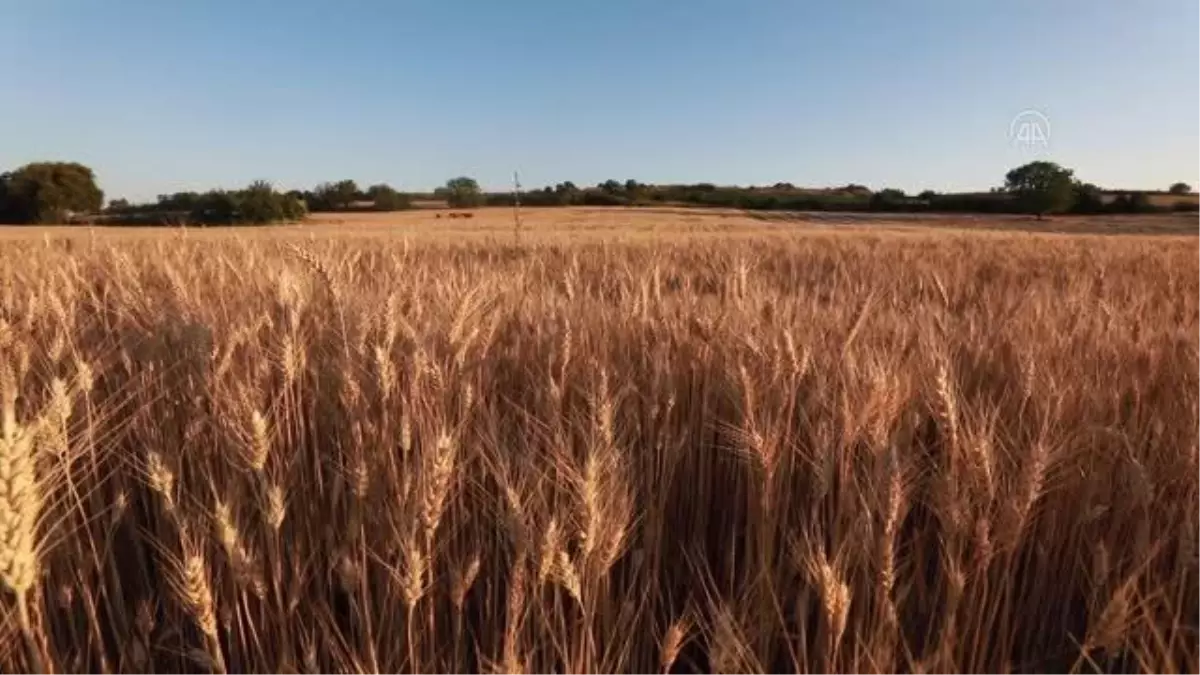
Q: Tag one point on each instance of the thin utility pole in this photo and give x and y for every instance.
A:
(516, 207)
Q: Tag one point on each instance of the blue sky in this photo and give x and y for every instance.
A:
(164, 96)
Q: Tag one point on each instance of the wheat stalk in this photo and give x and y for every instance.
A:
(161, 480)
(835, 600)
(20, 509)
(672, 643)
(274, 507)
(260, 446)
(437, 486)
(1107, 631)
(20, 506)
(188, 578)
(463, 580)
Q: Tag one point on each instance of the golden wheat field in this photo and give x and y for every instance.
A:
(674, 448)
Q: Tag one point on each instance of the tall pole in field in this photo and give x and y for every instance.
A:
(516, 207)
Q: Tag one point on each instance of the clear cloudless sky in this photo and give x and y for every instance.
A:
(159, 96)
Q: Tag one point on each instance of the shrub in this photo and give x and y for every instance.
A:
(386, 198)
(260, 204)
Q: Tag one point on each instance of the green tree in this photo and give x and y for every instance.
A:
(345, 192)
(610, 186)
(180, 201)
(567, 193)
(1041, 187)
(294, 208)
(1131, 202)
(888, 199)
(462, 192)
(216, 206)
(260, 204)
(48, 192)
(118, 205)
(334, 196)
(1180, 189)
(7, 205)
(386, 198)
(257, 204)
(927, 195)
(1087, 198)
(1139, 202)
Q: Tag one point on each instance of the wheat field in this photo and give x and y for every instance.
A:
(802, 450)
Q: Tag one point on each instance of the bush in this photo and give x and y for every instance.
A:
(260, 204)
(1088, 199)
(257, 204)
(337, 196)
(888, 199)
(294, 208)
(216, 207)
(1132, 202)
(600, 197)
(386, 198)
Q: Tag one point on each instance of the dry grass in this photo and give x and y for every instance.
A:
(632, 225)
(818, 451)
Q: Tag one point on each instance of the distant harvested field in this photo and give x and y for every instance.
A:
(671, 221)
(640, 224)
(637, 441)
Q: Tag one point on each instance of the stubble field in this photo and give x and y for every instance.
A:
(668, 441)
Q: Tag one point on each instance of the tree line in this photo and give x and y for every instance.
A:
(1038, 188)
(259, 203)
(58, 192)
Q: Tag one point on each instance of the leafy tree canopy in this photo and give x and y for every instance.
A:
(1041, 187)
(386, 198)
(48, 192)
(462, 192)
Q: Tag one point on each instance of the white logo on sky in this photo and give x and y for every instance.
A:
(1030, 130)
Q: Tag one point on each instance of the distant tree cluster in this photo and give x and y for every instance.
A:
(1037, 188)
(780, 196)
(345, 195)
(48, 192)
(257, 204)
